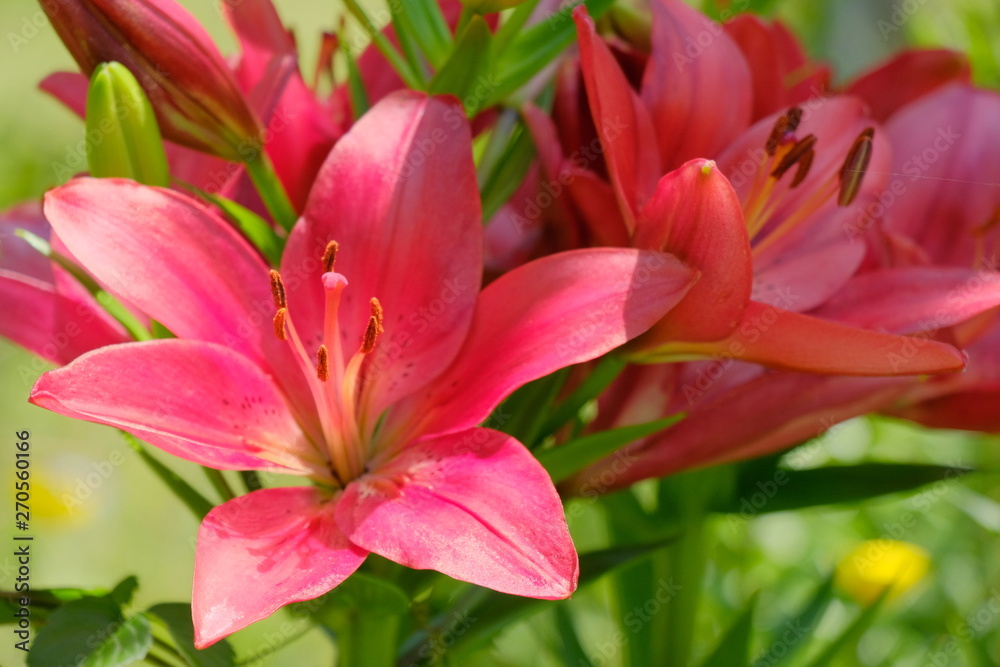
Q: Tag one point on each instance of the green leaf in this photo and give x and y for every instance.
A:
(462, 74)
(422, 22)
(527, 406)
(187, 494)
(532, 49)
(123, 592)
(563, 461)
(801, 626)
(91, 632)
(777, 489)
(176, 618)
(494, 611)
(512, 166)
(852, 633)
(257, 230)
(570, 650)
(609, 368)
(355, 87)
(733, 649)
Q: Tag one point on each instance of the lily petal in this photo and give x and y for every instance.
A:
(560, 310)
(264, 550)
(622, 122)
(200, 401)
(475, 505)
(696, 214)
(384, 193)
(706, 90)
(786, 340)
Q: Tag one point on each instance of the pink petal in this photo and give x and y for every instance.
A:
(399, 195)
(262, 551)
(913, 299)
(70, 88)
(53, 325)
(696, 215)
(475, 505)
(180, 263)
(698, 80)
(622, 122)
(786, 340)
(560, 310)
(765, 415)
(946, 164)
(200, 401)
(910, 75)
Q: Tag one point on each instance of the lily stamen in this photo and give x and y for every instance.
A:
(855, 166)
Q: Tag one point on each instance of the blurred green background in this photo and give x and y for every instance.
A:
(99, 515)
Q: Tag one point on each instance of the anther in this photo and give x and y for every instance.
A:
(279, 324)
(278, 290)
(803, 169)
(330, 256)
(322, 364)
(374, 328)
(777, 135)
(852, 173)
(797, 153)
(794, 118)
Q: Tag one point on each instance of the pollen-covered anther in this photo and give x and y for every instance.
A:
(801, 154)
(777, 135)
(279, 324)
(322, 363)
(852, 173)
(794, 116)
(278, 290)
(374, 328)
(330, 256)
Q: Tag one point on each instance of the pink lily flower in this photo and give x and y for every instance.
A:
(769, 250)
(381, 360)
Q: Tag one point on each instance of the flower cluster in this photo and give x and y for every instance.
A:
(314, 290)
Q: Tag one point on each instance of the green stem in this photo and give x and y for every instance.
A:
(271, 191)
(220, 483)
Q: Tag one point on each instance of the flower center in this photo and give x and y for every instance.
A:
(337, 384)
(783, 151)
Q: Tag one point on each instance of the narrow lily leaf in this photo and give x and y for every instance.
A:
(176, 617)
(464, 69)
(188, 495)
(783, 489)
(123, 592)
(733, 649)
(121, 117)
(496, 611)
(408, 45)
(596, 382)
(524, 410)
(254, 228)
(801, 626)
(570, 650)
(92, 630)
(360, 103)
(423, 22)
(366, 614)
(562, 461)
(512, 24)
(852, 633)
(511, 169)
(534, 48)
(385, 47)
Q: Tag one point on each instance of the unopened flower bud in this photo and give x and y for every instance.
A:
(123, 137)
(193, 92)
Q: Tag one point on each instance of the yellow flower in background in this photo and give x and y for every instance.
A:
(875, 565)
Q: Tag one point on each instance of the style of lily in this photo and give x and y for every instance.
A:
(769, 249)
(381, 360)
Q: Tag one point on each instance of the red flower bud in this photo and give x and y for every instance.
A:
(193, 92)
